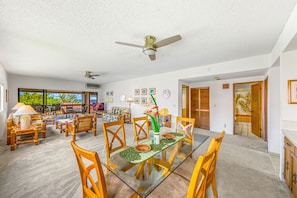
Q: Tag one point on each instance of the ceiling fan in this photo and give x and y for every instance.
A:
(150, 47)
(90, 75)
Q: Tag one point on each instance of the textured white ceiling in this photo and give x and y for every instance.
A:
(63, 39)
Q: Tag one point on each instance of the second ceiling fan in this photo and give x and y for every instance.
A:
(150, 47)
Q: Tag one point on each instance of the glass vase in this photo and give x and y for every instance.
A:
(156, 138)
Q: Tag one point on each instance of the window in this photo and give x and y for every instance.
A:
(43, 100)
(31, 96)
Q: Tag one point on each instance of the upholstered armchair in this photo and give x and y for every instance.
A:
(117, 113)
(79, 124)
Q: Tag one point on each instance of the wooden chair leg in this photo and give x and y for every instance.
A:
(73, 137)
(36, 136)
(12, 141)
(214, 188)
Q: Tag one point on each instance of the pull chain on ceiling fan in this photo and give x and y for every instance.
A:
(150, 47)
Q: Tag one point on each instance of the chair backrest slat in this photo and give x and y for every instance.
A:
(115, 137)
(91, 186)
(141, 128)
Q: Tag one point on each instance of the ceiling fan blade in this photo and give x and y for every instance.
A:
(95, 75)
(168, 41)
(152, 57)
(129, 44)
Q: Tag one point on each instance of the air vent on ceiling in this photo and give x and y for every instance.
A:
(92, 86)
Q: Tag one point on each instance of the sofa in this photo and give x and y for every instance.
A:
(116, 113)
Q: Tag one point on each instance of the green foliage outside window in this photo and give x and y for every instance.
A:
(36, 98)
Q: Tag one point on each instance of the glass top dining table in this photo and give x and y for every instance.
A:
(153, 163)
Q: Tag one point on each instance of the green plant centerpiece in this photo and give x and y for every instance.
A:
(153, 113)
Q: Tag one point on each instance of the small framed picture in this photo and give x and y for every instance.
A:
(111, 93)
(152, 91)
(144, 91)
(292, 91)
(150, 100)
(136, 92)
(6, 95)
(143, 100)
(122, 98)
(136, 100)
(107, 93)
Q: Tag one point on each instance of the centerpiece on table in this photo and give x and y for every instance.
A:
(153, 113)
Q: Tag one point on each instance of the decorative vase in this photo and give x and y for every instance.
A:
(156, 138)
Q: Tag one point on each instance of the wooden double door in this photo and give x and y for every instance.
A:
(200, 107)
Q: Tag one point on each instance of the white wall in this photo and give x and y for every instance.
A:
(288, 72)
(274, 106)
(221, 102)
(160, 82)
(3, 114)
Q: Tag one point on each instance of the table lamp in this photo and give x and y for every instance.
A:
(130, 100)
(25, 111)
(16, 119)
(17, 106)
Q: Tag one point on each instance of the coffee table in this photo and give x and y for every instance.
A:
(60, 124)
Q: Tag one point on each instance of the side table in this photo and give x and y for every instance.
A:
(23, 140)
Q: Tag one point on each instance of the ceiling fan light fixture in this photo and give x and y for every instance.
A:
(149, 51)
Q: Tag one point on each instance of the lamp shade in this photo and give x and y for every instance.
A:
(130, 99)
(17, 106)
(25, 110)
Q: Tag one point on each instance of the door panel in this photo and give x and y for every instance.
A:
(185, 101)
(256, 109)
(204, 119)
(195, 106)
(200, 107)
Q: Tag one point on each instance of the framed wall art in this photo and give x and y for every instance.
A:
(136, 92)
(6, 95)
(143, 100)
(136, 100)
(144, 91)
(152, 91)
(292, 91)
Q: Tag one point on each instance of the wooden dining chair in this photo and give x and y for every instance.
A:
(186, 126)
(198, 182)
(115, 141)
(195, 187)
(94, 183)
(185, 173)
(216, 145)
(141, 133)
(141, 129)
